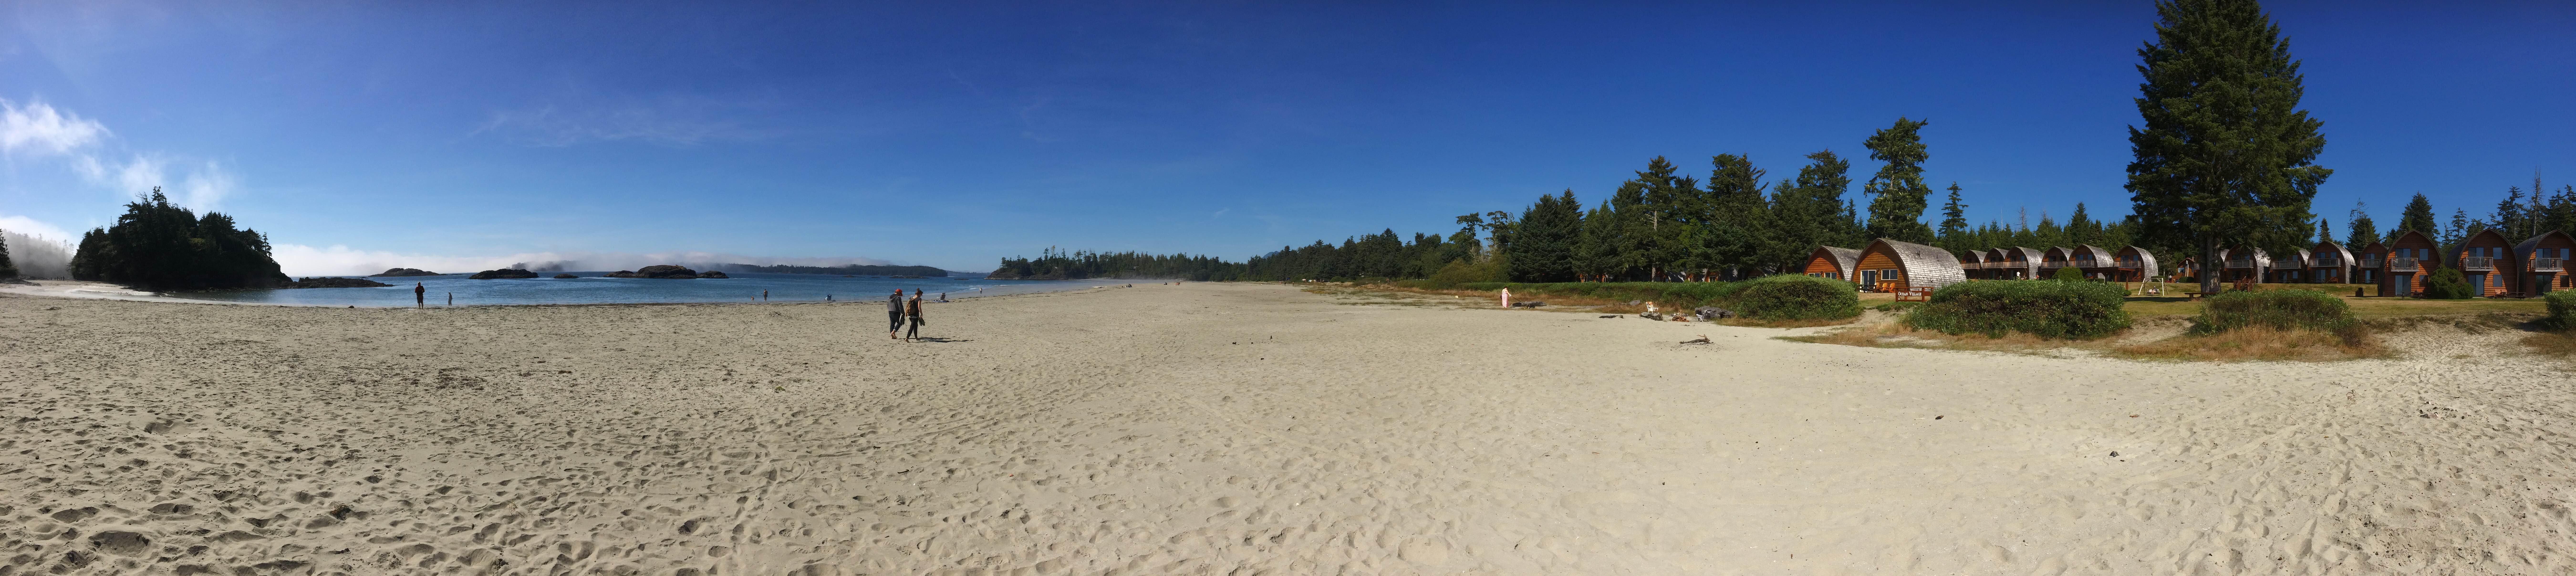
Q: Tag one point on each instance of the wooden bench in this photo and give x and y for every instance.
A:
(1914, 294)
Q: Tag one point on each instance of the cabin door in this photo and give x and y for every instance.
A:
(1868, 279)
(2405, 284)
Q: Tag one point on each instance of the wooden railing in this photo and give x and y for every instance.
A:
(2549, 264)
(2477, 263)
(2370, 261)
(2401, 263)
(2240, 263)
(2051, 264)
(2133, 264)
(2326, 262)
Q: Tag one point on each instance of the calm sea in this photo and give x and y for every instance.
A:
(590, 288)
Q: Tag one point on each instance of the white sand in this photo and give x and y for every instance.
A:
(1239, 429)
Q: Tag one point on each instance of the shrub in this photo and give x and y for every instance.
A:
(2447, 284)
(1459, 272)
(2068, 273)
(2562, 310)
(1793, 297)
(2286, 310)
(2051, 309)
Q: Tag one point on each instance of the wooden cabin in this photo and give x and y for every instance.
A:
(1831, 262)
(2133, 264)
(2243, 264)
(2412, 258)
(1973, 263)
(2367, 264)
(2329, 263)
(2487, 261)
(2052, 259)
(1887, 265)
(2015, 263)
(2544, 262)
(2093, 260)
(2290, 267)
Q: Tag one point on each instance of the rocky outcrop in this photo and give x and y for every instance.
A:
(328, 282)
(566, 276)
(407, 272)
(502, 273)
(712, 274)
(664, 271)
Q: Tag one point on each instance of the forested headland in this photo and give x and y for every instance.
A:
(160, 246)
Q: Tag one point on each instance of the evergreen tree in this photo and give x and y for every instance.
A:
(2359, 231)
(1667, 200)
(1632, 252)
(1736, 236)
(1543, 244)
(1954, 222)
(1597, 254)
(2511, 218)
(2418, 217)
(7, 270)
(2081, 229)
(2226, 154)
(2460, 229)
(2324, 232)
(1898, 193)
(2560, 213)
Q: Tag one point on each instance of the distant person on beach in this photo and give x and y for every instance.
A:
(914, 310)
(764, 295)
(894, 315)
(419, 294)
(1507, 297)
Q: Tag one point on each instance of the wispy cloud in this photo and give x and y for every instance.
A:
(37, 128)
(672, 121)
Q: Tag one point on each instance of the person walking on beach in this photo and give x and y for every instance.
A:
(1507, 297)
(764, 295)
(914, 310)
(419, 294)
(894, 315)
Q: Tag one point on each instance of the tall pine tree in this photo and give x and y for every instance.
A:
(1954, 223)
(1735, 234)
(1545, 240)
(2225, 154)
(2418, 217)
(2359, 231)
(1898, 195)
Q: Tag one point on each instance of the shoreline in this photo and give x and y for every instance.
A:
(88, 290)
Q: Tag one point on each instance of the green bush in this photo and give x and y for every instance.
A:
(2447, 284)
(2562, 310)
(2280, 310)
(1793, 297)
(2068, 273)
(1459, 272)
(2052, 309)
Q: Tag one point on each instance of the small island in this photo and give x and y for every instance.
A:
(665, 271)
(405, 272)
(502, 273)
(334, 282)
(566, 275)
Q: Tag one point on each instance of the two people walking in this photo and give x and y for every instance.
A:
(901, 312)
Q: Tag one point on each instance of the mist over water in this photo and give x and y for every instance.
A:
(592, 289)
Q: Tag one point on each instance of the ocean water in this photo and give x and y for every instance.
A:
(590, 288)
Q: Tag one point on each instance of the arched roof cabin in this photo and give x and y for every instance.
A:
(1890, 264)
(2330, 263)
(2544, 262)
(2412, 258)
(2488, 262)
(2133, 264)
(1832, 262)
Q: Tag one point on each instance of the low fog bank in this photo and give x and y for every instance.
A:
(300, 260)
(40, 257)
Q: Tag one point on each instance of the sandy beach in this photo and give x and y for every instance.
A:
(1232, 429)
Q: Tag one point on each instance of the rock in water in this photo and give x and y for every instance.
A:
(502, 273)
(328, 282)
(656, 271)
(566, 276)
(407, 272)
(712, 274)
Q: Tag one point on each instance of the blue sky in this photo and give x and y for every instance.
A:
(366, 135)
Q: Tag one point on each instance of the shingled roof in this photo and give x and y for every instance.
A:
(1924, 266)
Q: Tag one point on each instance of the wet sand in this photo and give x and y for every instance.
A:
(1210, 428)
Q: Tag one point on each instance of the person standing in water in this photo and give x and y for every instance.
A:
(894, 315)
(914, 310)
(419, 294)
